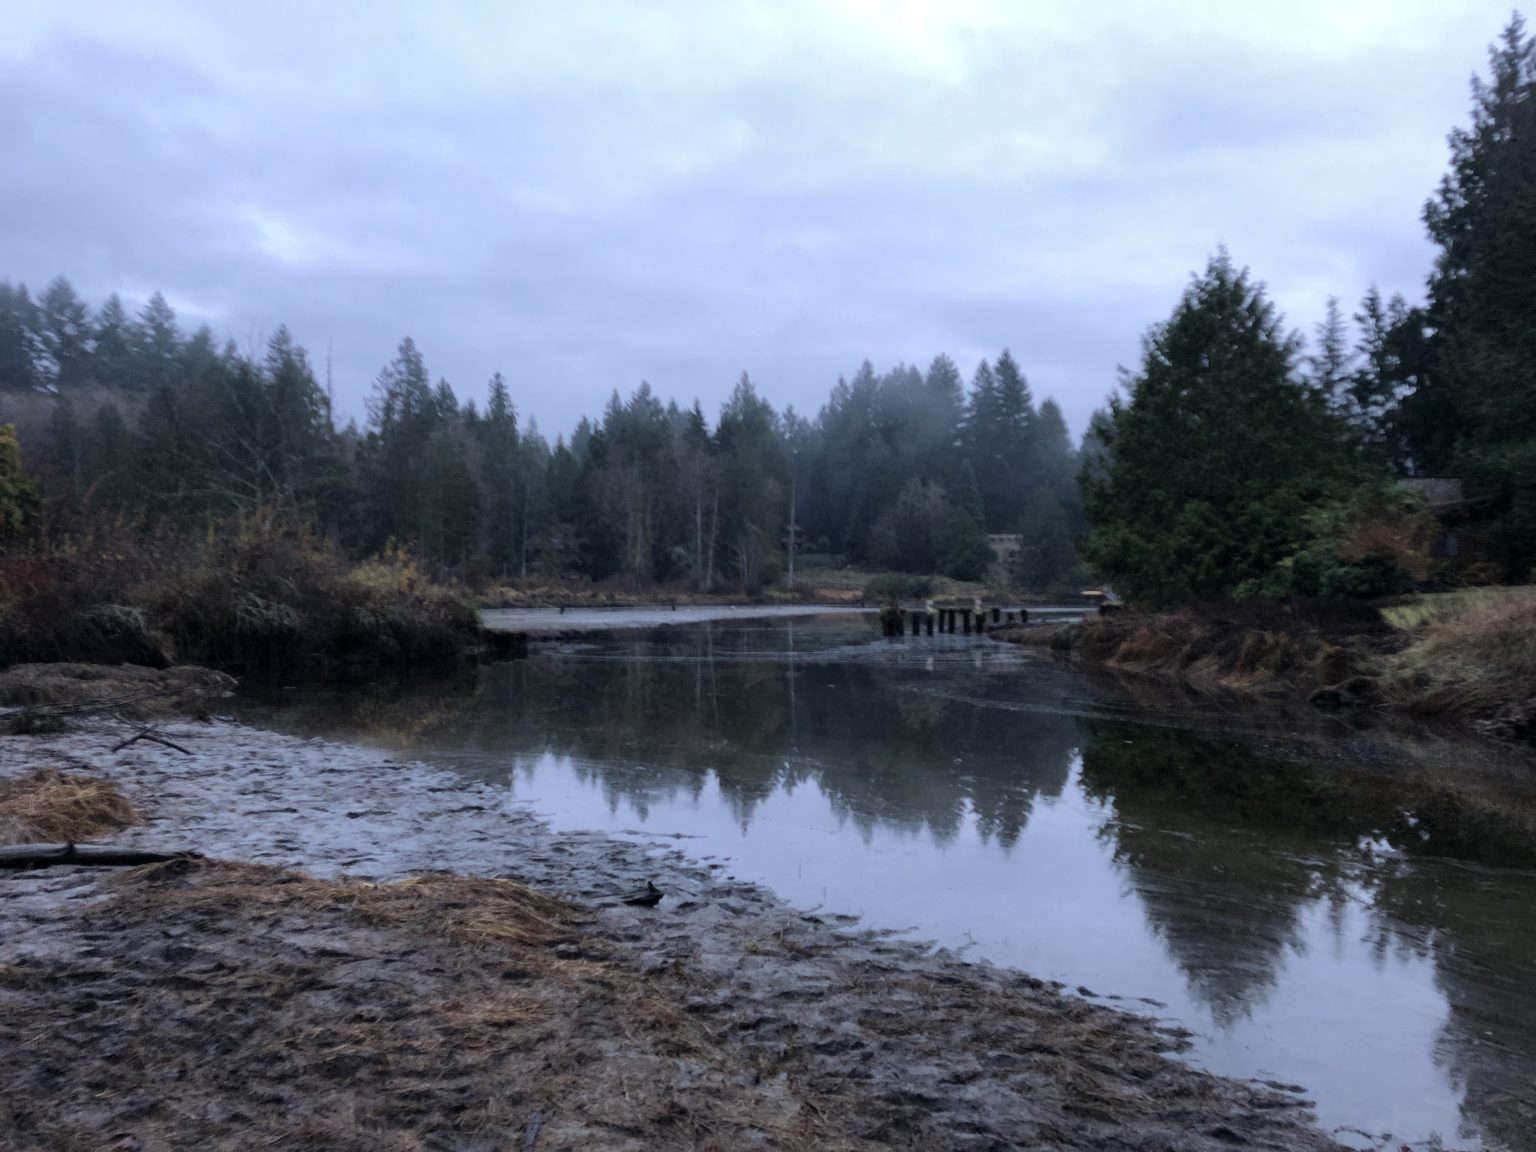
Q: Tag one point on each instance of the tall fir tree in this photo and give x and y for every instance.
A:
(1482, 305)
(1218, 457)
(498, 475)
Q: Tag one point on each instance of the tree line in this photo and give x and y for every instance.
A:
(1233, 460)
(907, 469)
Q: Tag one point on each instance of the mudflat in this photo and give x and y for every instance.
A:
(376, 954)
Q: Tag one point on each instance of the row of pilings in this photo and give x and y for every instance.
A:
(895, 620)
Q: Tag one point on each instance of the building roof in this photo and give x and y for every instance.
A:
(1438, 491)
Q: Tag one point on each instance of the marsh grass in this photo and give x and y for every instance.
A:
(249, 596)
(1473, 657)
(48, 806)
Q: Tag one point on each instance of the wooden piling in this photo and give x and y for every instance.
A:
(917, 621)
(504, 645)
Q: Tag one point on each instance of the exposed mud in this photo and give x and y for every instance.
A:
(305, 998)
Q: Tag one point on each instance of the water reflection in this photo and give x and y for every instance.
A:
(1367, 933)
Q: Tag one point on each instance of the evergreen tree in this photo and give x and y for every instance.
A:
(156, 344)
(498, 473)
(64, 330)
(753, 485)
(403, 415)
(1050, 518)
(18, 350)
(170, 453)
(66, 451)
(110, 462)
(448, 505)
(20, 500)
(1391, 353)
(983, 418)
(1332, 364)
(1483, 299)
(112, 349)
(1219, 457)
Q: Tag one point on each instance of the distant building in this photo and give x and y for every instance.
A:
(1460, 542)
(1007, 547)
(1439, 492)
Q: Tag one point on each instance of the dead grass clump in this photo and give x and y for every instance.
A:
(253, 595)
(132, 691)
(32, 723)
(465, 909)
(471, 910)
(247, 1005)
(1215, 647)
(49, 806)
(1474, 658)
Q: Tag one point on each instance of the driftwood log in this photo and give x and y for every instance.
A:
(27, 856)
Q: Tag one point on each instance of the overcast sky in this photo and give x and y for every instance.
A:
(586, 195)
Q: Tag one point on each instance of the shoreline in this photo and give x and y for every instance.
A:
(806, 1022)
(1471, 672)
(554, 622)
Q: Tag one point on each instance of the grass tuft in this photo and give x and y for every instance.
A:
(1473, 657)
(48, 806)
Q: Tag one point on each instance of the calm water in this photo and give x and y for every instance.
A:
(1305, 899)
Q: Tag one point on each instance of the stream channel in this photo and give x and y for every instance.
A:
(1344, 907)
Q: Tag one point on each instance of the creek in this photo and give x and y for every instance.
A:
(1320, 902)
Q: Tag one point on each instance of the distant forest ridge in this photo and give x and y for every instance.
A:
(905, 470)
(1232, 461)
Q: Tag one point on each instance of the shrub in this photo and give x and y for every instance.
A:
(897, 586)
(249, 597)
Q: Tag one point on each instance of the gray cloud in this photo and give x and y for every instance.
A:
(681, 192)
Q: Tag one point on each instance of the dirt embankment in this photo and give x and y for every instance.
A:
(403, 960)
(1470, 661)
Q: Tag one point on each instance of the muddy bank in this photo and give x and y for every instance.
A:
(1474, 666)
(307, 997)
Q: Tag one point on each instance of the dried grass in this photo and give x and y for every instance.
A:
(465, 909)
(131, 691)
(1474, 657)
(49, 806)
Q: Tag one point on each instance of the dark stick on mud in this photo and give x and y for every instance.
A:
(22, 857)
(647, 897)
(152, 736)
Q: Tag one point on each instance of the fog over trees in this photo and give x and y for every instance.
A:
(1233, 459)
(906, 469)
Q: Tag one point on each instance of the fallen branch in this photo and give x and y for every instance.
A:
(147, 734)
(107, 703)
(27, 856)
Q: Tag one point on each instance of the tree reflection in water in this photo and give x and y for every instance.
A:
(1237, 861)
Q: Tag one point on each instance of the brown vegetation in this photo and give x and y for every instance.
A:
(49, 693)
(272, 1009)
(211, 1004)
(1251, 647)
(250, 597)
(1469, 658)
(48, 806)
(1473, 660)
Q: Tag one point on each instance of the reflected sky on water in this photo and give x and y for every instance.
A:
(1314, 910)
